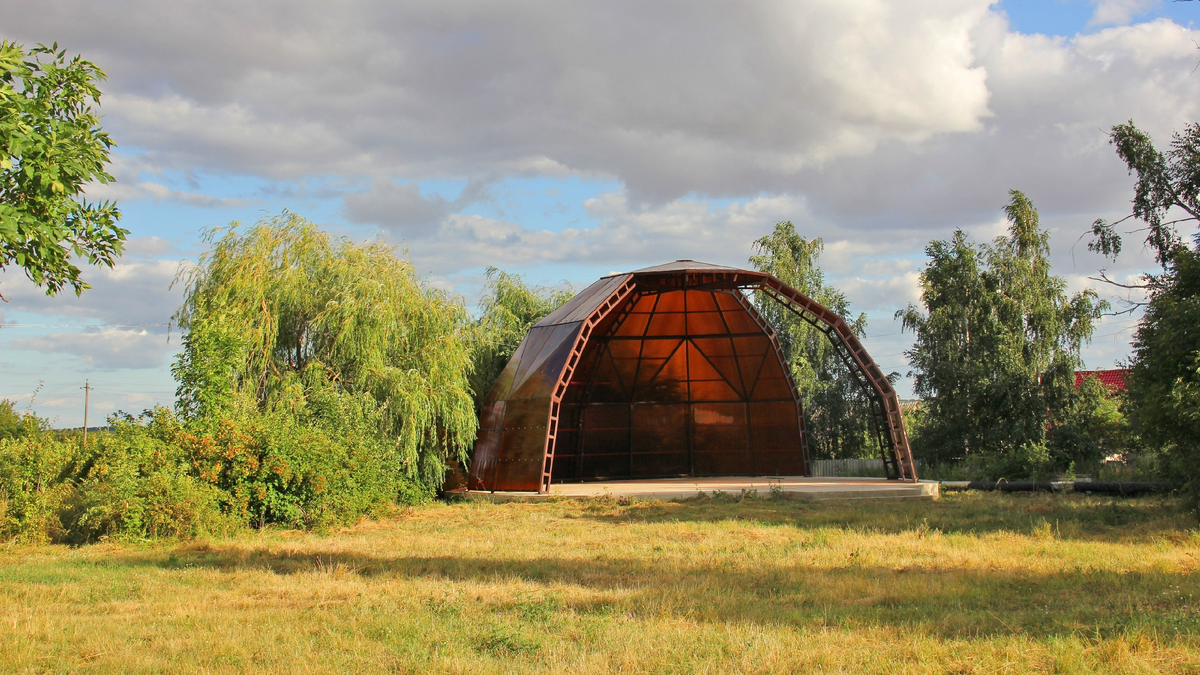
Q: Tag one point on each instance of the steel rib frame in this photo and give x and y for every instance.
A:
(614, 300)
(885, 404)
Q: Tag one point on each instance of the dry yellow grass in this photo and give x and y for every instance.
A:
(975, 583)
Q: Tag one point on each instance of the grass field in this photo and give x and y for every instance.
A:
(974, 583)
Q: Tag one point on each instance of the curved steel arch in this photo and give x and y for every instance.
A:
(885, 404)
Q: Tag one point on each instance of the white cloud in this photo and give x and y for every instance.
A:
(1119, 12)
(885, 295)
(107, 349)
(129, 184)
(131, 293)
(149, 247)
(675, 98)
(627, 235)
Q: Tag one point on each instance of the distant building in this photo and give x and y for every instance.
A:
(1113, 380)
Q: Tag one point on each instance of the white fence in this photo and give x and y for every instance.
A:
(858, 468)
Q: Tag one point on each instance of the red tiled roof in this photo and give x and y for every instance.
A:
(1113, 379)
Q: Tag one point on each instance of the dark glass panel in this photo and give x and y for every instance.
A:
(669, 381)
(661, 464)
(713, 390)
(526, 412)
(772, 388)
(582, 312)
(647, 370)
(523, 444)
(607, 384)
(666, 324)
(569, 415)
(660, 428)
(587, 298)
(645, 304)
(671, 301)
(660, 348)
(727, 367)
(740, 322)
(542, 378)
(521, 476)
(776, 437)
(705, 323)
(720, 439)
(719, 427)
(503, 385)
(615, 416)
(660, 416)
(634, 325)
(779, 463)
(584, 370)
(605, 466)
(701, 301)
(482, 471)
(725, 300)
(750, 366)
(719, 414)
(564, 468)
(535, 341)
(606, 442)
(625, 355)
(714, 346)
(491, 416)
(773, 412)
(722, 463)
(567, 443)
(487, 445)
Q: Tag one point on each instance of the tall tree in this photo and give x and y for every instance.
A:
(51, 147)
(836, 410)
(1163, 400)
(282, 307)
(997, 343)
(508, 309)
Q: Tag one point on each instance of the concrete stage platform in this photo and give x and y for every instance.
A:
(666, 489)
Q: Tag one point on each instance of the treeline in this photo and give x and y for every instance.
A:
(320, 381)
(998, 340)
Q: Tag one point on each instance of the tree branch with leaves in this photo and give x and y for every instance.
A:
(51, 148)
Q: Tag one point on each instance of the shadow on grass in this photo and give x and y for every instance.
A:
(1072, 517)
(949, 603)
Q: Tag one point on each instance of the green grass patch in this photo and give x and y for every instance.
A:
(974, 583)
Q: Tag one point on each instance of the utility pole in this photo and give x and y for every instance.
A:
(87, 389)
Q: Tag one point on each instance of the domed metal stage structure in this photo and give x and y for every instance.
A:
(666, 372)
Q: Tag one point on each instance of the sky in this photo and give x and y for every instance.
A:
(569, 140)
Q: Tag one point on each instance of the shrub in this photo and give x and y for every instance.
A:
(35, 472)
(136, 484)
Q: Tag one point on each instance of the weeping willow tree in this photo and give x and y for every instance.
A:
(508, 309)
(836, 410)
(280, 314)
